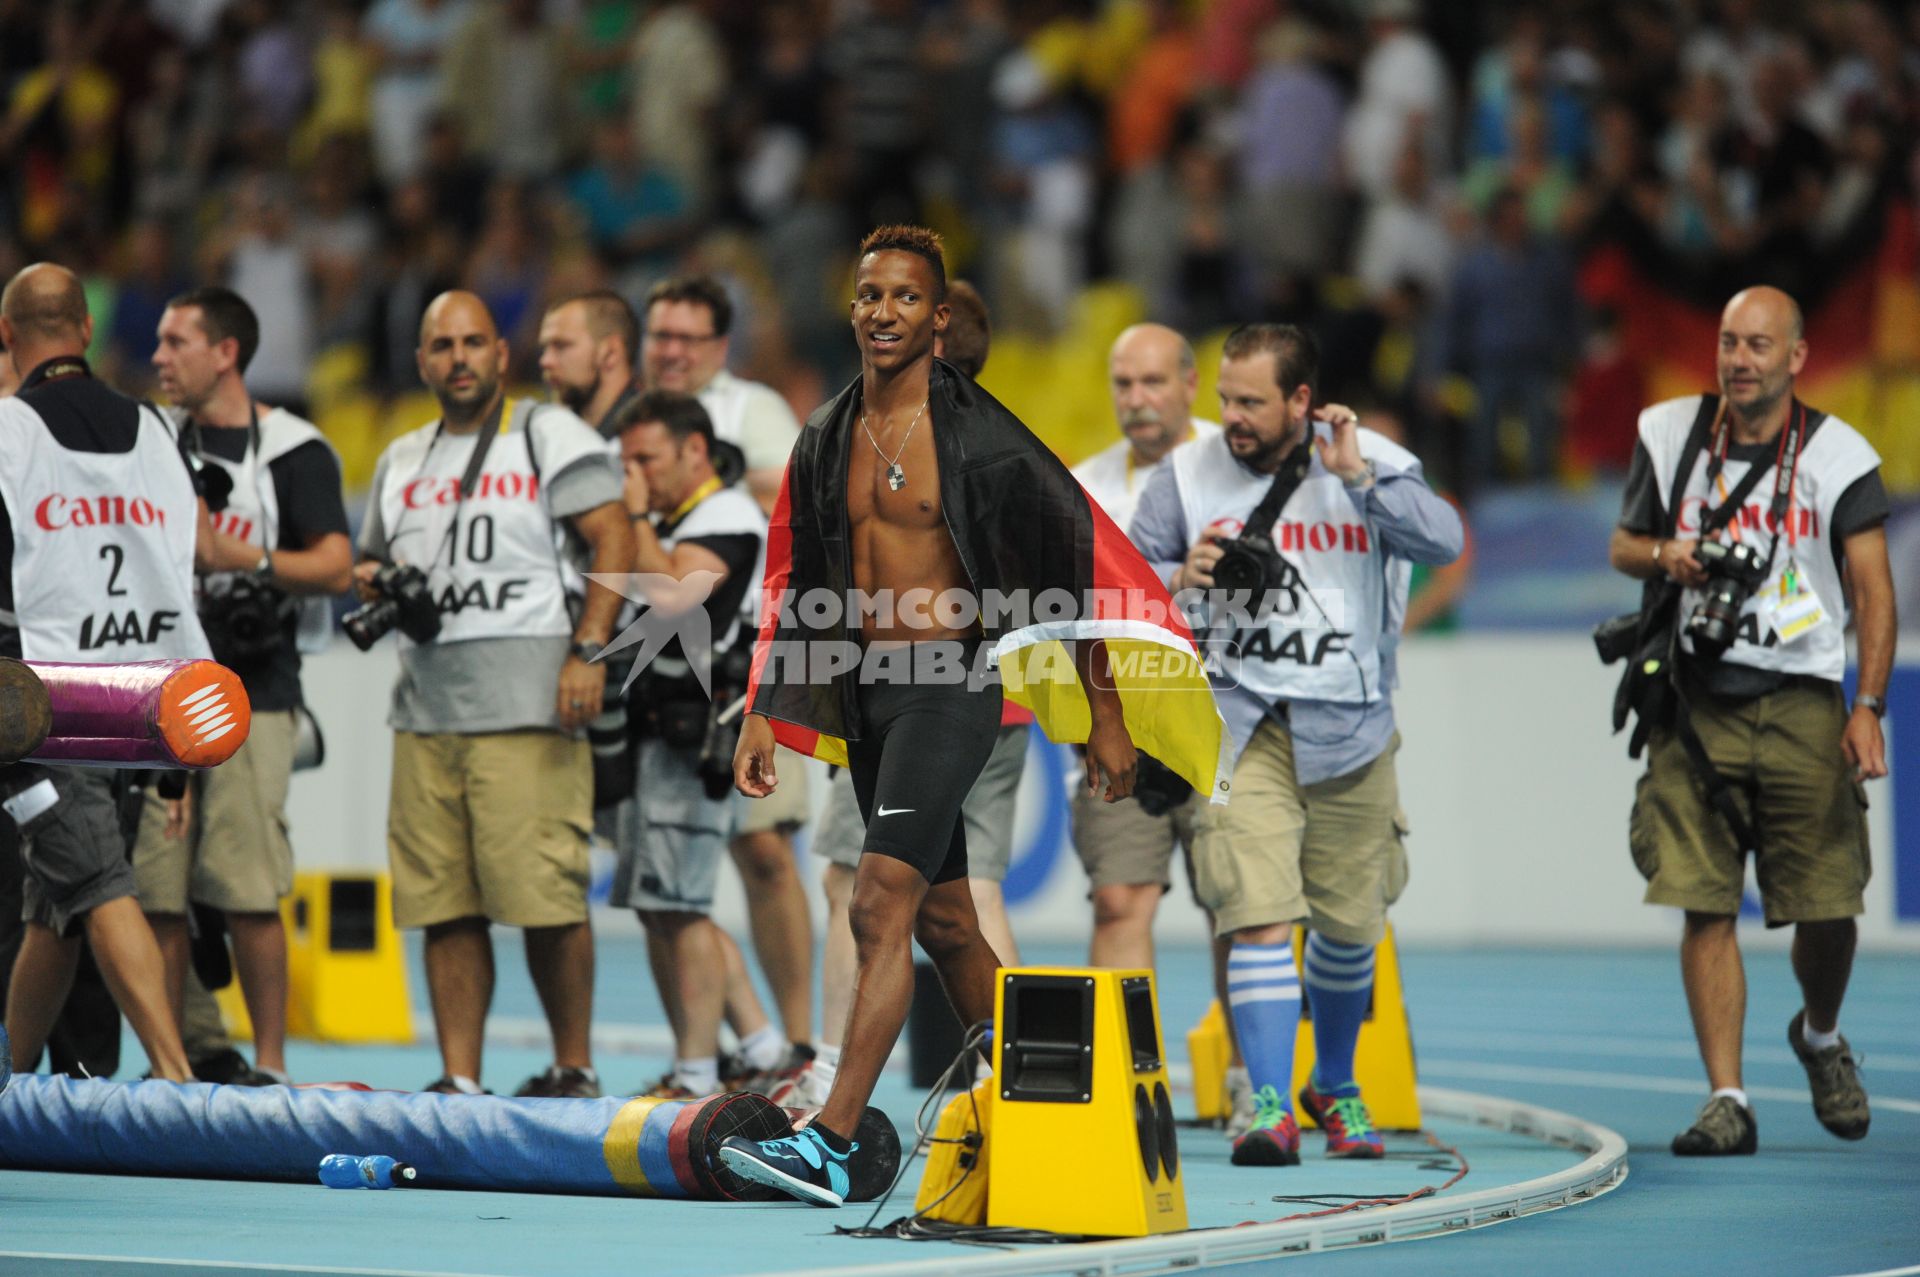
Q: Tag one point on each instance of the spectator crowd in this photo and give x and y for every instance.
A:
(1421, 182)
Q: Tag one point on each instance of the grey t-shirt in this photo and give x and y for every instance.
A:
(505, 684)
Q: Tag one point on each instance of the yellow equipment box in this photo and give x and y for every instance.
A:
(1083, 1135)
(346, 972)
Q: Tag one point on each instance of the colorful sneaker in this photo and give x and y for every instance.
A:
(1724, 1129)
(1240, 1102)
(1839, 1101)
(562, 1084)
(1343, 1116)
(1274, 1137)
(800, 1165)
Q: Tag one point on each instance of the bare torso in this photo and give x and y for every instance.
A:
(900, 540)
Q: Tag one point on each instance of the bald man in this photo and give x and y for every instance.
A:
(1127, 848)
(96, 590)
(1754, 472)
(492, 787)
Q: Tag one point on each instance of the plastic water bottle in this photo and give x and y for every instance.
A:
(344, 1170)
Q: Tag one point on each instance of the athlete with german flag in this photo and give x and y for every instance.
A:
(915, 484)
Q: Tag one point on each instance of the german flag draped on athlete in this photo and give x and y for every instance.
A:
(1026, 532)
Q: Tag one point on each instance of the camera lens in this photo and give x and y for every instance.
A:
(368, 625)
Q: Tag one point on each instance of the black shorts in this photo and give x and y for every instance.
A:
(922, 744)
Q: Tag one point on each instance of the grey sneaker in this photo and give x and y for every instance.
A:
(1241, 1108)
(1723, 1129)
(1839, 1101)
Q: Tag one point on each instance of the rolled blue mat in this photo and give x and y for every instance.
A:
(281, 1133)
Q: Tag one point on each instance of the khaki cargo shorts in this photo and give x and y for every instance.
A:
(236, 855)
(1119, 844)
(1329, 854)
(492, 825)
(1781, 754)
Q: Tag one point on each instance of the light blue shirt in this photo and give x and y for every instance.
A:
(1330, 738)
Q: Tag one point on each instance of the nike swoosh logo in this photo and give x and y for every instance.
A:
(891, 811)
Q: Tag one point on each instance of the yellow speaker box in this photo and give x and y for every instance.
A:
(1083, 1135)
(346, 973)
(1382, 1062)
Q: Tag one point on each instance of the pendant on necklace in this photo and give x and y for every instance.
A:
(896, 477)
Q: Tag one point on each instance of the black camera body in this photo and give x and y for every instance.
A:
(686, 719)
(246, 619)
(1734, 572)
(406, 600)
(1251, 563)
(1157, 787)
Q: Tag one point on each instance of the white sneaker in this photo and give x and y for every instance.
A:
(1240, 1100)
(807, 1090)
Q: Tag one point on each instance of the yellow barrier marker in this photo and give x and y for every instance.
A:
(1083, 1135)
(346, 971)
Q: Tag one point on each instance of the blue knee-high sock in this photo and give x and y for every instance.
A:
(1339, 979)
(1263, 990)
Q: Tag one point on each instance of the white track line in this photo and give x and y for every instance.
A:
(199, 1265)
(1494, 1071)
(1637, 1048)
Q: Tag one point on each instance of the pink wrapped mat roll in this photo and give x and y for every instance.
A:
(187, 714)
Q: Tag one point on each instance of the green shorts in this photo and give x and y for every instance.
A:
(1781, 754)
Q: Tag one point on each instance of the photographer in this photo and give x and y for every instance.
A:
(709, 539)
(1315, 521)
(99, 531)
(492, 789)
(280, 546)
(1758, 521)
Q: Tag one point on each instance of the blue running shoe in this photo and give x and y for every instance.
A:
(800, 1165)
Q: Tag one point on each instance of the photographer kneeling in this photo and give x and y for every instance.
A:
(700, 545)
(1311, 521)
(1756, 521)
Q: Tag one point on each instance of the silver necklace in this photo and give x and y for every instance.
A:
(896, 477)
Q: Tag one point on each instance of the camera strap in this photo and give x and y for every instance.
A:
(1793, 439)
(1293, 472)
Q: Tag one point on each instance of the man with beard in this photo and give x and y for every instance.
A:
(587, 348)
(492, 790)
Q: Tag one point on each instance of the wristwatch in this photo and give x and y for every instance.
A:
(264, 568)
(1873, 703)
(586, 651)
(1368, 474)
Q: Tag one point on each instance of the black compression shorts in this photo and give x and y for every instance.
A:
(922, 744)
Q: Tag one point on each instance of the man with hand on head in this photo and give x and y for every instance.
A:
(1312, 521)
(280, 548)
(1764, 520)
(492, 789)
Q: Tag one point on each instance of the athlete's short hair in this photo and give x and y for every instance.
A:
(919, 241)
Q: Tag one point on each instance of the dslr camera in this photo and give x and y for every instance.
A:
(245, 618)
(1734, 572)
(405, 600)
(1251, 563)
